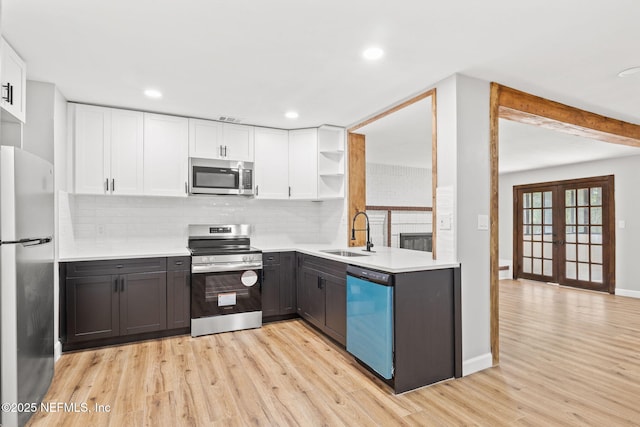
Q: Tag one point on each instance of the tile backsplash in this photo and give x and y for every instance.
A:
(121, 219)
(396, 185)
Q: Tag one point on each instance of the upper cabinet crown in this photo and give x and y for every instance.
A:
(108, 147)
(14, 82)
(209, 139)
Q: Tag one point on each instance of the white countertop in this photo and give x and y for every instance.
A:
(391, 260)
(121, 251)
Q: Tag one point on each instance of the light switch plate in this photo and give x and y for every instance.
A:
(622, 223)
(444, 222)
(483, 222)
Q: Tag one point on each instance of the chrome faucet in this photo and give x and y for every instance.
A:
(368, 230)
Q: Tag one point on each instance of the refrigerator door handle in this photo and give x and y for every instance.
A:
(32, 241)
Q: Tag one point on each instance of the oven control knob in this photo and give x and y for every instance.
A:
(245, 258)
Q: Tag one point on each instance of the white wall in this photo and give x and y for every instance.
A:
(464, 193)
(398, 185)
(627, 177)
(108, 221)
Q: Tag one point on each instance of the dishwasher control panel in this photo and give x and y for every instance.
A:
(371, 275)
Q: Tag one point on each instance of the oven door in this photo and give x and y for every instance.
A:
(228, 292)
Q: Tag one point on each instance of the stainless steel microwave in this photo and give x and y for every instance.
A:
(210, 176)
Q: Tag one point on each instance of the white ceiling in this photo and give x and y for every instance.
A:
(402, 137)
(523, 147)
(257, 59)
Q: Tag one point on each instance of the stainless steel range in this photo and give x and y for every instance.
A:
(226, 279)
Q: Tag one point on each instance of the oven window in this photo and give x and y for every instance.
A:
(215, 285)
(215, 178)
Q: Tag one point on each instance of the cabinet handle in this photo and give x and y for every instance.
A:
(178, 262)
(225, 151)
(115, 285)
(320, 279)
(113, 185)
(186, 188)
(119, 265)
(106, 185)
(221, 151)
(257, 186)
(289, 191)
(122, 285)
(9, 96)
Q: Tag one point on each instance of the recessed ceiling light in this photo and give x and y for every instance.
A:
(291, 115)
(373, 53)
(629, 72)
(153, 93)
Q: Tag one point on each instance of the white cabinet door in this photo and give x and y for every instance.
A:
(303, 163)
(126, 152)
(92, 155)
(205, 139)
(166, 150)
(271, 163)
(14, 82)
(238, 142)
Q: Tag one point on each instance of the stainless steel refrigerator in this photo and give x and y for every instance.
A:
(26, 272)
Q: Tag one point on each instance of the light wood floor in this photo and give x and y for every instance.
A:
(568, 357)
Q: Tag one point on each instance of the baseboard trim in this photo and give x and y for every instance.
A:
(57, 351)
(627, 293)
(476, 364)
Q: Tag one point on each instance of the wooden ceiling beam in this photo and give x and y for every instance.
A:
(530, 109)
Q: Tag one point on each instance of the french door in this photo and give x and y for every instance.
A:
(564, 233)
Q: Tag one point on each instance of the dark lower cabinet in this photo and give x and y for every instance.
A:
(322, 295)
(278, 285)
(178, 292)
(106, 302)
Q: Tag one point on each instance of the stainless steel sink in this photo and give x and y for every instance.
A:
(342, 252)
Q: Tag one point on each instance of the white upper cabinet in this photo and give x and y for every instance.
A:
(238, 142)
(14, 82)
(166, 150)
(271, 163)
(303, 163)
(127, 144)
(92, 140)
(108, 150)
(209, 139)
(205, 139)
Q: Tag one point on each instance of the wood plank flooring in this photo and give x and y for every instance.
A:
(568, 357)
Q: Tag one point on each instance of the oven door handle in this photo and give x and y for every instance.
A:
(232, 266)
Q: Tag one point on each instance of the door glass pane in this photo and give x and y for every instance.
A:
(571, 252)
(570, 197)
(570, 235)
(547, 250)
(571, 270)
(537, 232)
(526, 232)
(596, 196)
(526, 249)
(583, 197)
(583, 234)
(526, 265)
(526, 200)
(596, 235)
(548, 216)
(596, 216)
(596, 254)
(583, 253)
(583, 271)
(537, 266)
(537, 249)
(547, 267)
(583, 215)
(526, 216)
(596, 273)
(537, 216)
(548, 199)
(548, 233)
(537, 200)
(570, 216)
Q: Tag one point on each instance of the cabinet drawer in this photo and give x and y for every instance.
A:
(271, 258)
(178, 263)
(115, 266)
